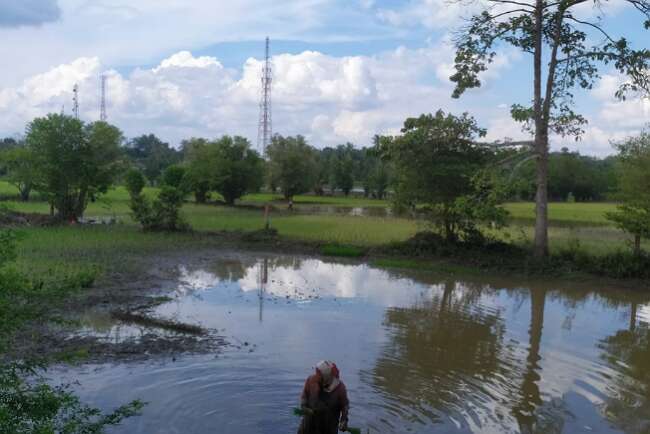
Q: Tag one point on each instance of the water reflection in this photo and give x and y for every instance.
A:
(455, 344)
(420, 352)
(264, 280)
(627, 352)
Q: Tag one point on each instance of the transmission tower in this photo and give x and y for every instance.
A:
(102, 100)
(265, 128)
(75, 101)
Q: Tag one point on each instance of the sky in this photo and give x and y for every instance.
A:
(343, 70)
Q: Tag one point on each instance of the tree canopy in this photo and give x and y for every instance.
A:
(293, 165)
(438, 162)
(228, 166)
(75, 162)
(151, 155)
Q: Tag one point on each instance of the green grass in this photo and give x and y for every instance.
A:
(567, 213)
(569, 221)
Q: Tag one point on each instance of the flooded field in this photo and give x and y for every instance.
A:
(418, 353)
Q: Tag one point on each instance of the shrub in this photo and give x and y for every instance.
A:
(174, 176)
(163, 214)
(29, 405)
(135, 182)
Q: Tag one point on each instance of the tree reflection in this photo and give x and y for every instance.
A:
(530, 411)
(628, 353)
(441, 352)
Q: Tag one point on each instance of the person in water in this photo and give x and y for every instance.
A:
(324, 402)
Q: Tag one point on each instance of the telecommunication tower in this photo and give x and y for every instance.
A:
(75, 101)
(102, 100)
(265, 128)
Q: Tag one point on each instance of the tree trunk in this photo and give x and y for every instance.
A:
(79, 207)
(541, 197)
(24, 194)
(637, 245)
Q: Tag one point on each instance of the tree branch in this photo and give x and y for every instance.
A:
(586, 23)
(527, 5)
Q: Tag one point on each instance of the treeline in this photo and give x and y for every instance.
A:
(572, 177)
(437, 167)
(343, 169)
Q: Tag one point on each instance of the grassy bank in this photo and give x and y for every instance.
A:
(571, 223)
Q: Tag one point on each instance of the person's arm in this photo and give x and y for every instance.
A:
(345, 408)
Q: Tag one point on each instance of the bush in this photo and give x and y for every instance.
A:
(174, 176)
(29, 405)
(619, 265)
(163, 214)
(135, 182)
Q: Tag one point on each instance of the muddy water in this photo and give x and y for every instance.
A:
(419, 353)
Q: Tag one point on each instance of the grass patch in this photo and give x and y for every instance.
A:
(345, 251)
(564, 212)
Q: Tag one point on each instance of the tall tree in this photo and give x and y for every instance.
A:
(75, 162)
(238, 169)
(197, 152)
(292, 165)
(555, 32)
(344, 168)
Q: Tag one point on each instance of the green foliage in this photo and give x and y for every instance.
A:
(75, 162)
(134, 181)
(573, 62)
(228, 166)
(29, 405)
(293, 165)
(19, 163)
(617, 264)
(565, 56)
(343, 173)
(200, 167)
(436, 162)
(342, 250)
(163, 213)
(583, 177)
(174, 176)
(377, 176)
(633, 215)
(151, 155)
(7, 247)
(238, 168)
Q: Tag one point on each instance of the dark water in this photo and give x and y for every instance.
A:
(418, 353)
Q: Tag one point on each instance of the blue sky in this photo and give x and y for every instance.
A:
(344, 69)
